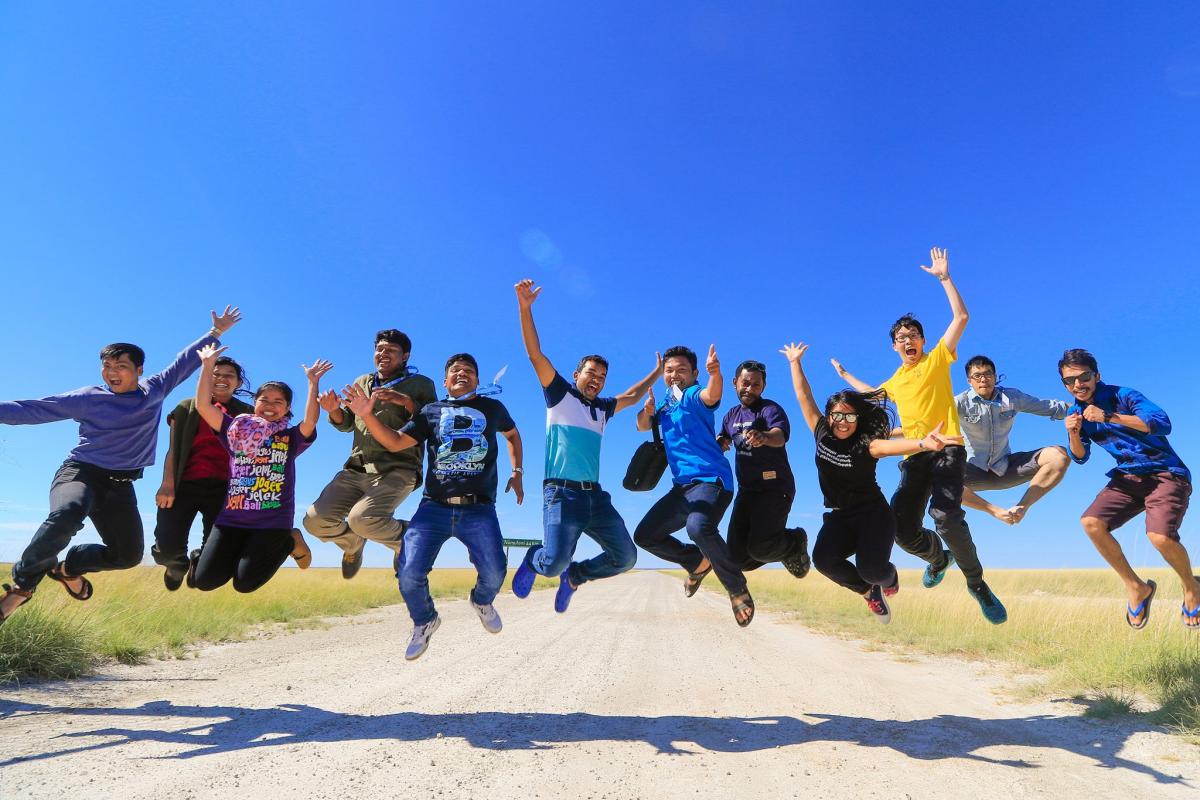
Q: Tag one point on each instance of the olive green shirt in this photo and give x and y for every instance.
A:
(368, 454)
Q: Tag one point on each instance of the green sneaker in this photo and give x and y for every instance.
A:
(933, 577)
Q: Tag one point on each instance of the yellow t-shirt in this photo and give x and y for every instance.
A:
(923, 394)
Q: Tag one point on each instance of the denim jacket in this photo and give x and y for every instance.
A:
(986, 424)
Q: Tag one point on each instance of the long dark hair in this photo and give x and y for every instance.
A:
(875, 420)
(243, 381)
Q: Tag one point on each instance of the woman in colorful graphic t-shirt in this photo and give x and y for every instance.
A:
(253, 534)
(851, 436)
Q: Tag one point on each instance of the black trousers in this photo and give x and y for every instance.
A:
(247, 556)
(205, 497)
(82, 491)
(698, 508)
(866, 532)
(758, 532)
(935, 478)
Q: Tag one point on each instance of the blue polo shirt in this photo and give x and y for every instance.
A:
(689, 433)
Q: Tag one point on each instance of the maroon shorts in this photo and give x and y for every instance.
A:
(1163, 496)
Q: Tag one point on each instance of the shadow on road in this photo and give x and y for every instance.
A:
(224, 729)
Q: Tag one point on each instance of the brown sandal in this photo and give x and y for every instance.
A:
(301, 552)
(9, 591)
(59, 573)
(692, 584)
(741, 606)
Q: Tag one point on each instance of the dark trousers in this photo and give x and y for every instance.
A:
(205, 497)
(758, 532)
(935, 478)
(81, 491)
(866, 532)
(248, 556)
(698, 508)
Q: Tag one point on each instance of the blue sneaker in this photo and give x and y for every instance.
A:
(993, 610)
(932, 577)
(522, 582)
(562, 598)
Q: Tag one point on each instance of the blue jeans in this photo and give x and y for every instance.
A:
(697, 507)
(567, 513)
(434, 523)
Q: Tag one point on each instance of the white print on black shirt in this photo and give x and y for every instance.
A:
(840, 460)
(463, 447)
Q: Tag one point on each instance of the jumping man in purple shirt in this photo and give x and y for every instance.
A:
(118, 433)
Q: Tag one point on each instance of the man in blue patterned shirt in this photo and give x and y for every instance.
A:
(1149, 477)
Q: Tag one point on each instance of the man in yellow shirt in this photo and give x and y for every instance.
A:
(924, 397)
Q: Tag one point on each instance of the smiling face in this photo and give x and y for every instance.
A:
(1080, 381)
(389, 358)
(461, 378)
(677, 371)
(749, 386)
(119, 373)
(590, 379)
(909, 343)
(271, 404)
(842, 428)
(225, 383)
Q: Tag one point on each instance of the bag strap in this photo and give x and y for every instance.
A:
(657, 431)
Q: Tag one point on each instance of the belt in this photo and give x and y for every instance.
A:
(583, 486)
(462, 500)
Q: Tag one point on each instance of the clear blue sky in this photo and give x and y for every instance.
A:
(673, 173)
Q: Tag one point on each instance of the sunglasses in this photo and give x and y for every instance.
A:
(843, 416)
(1086, 377)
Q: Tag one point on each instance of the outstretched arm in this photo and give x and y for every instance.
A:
(526, 294)
(804, 395)
(941, 270)
(845, 375)
(634, 393)
(312, 408)
(710, 395)
(211, 415)
(645, 415)
(935, 440)
(363, 404)
(185, 363)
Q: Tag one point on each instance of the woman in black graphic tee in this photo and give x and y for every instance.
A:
(851, 436)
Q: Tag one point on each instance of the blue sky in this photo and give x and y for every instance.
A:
(681, 173)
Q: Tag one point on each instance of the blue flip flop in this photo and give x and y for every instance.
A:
(1143, 609)
(1185, 615)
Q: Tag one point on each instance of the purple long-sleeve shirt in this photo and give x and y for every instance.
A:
(116, 431)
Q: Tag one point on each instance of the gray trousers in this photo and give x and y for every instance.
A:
(357, 506)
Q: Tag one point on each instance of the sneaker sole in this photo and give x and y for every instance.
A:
(414, 656)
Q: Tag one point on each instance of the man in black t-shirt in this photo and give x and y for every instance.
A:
(459, 434)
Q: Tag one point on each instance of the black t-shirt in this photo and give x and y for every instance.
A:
(846, 469)
(460, 438)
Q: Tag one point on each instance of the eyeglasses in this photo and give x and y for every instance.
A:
(842, 416)
(904, 338)
(1085, 377)
(982, 376)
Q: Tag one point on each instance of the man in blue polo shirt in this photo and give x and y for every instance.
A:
(573, 502)
(702, 481)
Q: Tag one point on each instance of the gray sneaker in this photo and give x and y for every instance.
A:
(488, 617)
(421, 635)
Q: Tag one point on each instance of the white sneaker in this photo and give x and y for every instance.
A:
(421, 635)
(488, 617)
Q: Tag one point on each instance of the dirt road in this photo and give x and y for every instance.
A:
(637, 692)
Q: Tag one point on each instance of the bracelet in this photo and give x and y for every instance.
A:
(518, 471)
(215, 332)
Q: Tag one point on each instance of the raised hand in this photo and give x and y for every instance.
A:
(358, 400)
(1074, 423)
(649, 405)
(837, 366)
(658, 359)
(209, 355)
(941, 264)
(329, 401)
(712, 364)
(222, 322)
(398, 398)
(526, 294)
(796, 350)
(317, 370)
(1094, 414)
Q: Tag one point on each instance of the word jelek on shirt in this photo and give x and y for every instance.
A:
(257, 481)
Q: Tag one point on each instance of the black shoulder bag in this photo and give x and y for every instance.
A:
(648, 464)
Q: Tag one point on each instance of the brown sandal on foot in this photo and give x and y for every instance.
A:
(301, 552)
(59, 573)
(741, 606)
(692, 584)
(9, 591)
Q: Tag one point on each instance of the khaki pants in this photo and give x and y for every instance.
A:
(357, 506)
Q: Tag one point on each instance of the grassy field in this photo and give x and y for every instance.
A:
(1069, 623)
(132, 617)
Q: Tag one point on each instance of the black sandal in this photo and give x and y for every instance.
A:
(692, 584)
(59, 573)
(10, 591)
(742, 606)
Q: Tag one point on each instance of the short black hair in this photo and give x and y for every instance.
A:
(907, 321)
(282, 388)
(393, 336)
(982, 361)
(679, 351)
(752, 366)
(467, 357)
(1077, 357)
(595, 359)
(117, 349)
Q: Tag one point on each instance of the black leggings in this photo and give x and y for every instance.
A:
(205, 497)
(867, 532)
(248, 556)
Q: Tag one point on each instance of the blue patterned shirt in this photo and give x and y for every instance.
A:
(1136, 453)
